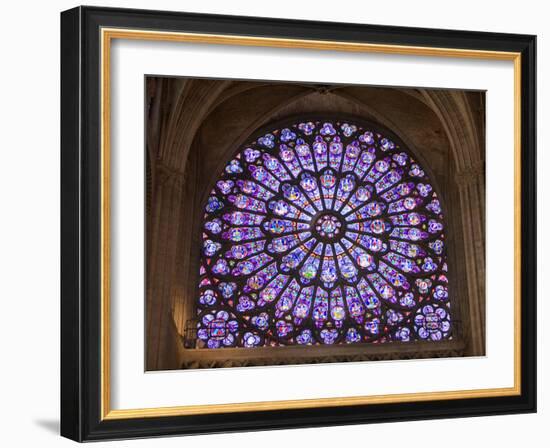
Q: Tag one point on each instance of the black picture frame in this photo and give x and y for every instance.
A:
(81, 379)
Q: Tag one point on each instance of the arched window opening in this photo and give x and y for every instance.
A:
(322, 232)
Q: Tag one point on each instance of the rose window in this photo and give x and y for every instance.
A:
(322, 232)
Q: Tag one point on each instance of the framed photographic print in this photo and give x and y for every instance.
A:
(274, 224)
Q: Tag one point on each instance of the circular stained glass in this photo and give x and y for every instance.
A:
(322, 232)
(328, 226)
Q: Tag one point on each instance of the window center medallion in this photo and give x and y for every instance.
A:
(328, 226)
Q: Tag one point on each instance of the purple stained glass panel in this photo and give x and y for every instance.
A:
(322, 232)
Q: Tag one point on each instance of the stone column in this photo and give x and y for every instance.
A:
(189, 244)
(471, 190)
(164, 234)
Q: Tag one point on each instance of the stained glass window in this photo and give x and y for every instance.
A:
(322, 232)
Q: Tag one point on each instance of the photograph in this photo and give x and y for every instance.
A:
(278, 223)
(314, 223)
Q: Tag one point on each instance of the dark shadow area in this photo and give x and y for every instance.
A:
(48, 425)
